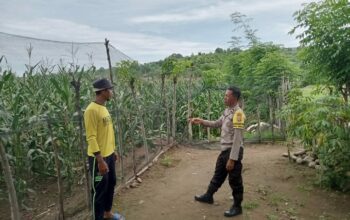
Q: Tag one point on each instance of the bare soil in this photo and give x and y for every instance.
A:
(274, 189)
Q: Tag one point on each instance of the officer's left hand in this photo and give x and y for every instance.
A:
(230, 165)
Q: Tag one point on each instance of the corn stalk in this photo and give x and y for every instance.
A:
(15, 213)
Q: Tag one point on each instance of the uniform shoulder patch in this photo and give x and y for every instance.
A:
(238, 119)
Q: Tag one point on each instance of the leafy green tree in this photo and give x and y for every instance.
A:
(271, 73)
(179, 68)
(211, 79)
(167, 69)
(270, 70)
(325, 38)
(322, 124)
(129, 71)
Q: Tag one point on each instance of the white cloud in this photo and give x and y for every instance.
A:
(220, 10)
(135, 45)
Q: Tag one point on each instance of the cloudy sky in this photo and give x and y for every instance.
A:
(149, 30)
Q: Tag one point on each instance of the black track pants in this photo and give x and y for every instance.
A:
(102, 186)
(234, 176)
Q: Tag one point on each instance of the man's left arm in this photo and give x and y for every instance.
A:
(238, 126)
(236, 145)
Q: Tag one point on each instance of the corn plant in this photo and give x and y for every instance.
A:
(15, 213)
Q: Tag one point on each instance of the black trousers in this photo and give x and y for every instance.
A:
(234, 176)
(102, 187)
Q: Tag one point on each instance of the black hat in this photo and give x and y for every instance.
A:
(102, 84)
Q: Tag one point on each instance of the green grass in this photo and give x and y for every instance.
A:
(271, 217)
(313, 91)
(305, 188)
(250, 205)
(291, 211)
(265, 135)
(166, 161)
(276, 199)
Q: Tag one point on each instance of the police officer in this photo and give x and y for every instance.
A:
(229, 160)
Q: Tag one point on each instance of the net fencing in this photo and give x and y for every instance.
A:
(20, 50)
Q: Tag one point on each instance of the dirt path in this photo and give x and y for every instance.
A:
(274, 189)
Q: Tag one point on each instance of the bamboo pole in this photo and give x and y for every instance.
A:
(189, 109)
(271, 117)
(15, 213)
(259, 121)
(59, 178)
(76, 84)
(168, 122)
(161, 107)
(143, 130)
(283, 102)
(209, 111)
(119, 130)
(133, 152)
(174, 110)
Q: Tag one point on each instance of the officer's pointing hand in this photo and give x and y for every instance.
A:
(195, 121)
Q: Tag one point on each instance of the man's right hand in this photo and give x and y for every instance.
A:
(102, 165)
(196, 121)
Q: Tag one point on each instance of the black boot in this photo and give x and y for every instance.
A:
(234, 211)
(205, 198)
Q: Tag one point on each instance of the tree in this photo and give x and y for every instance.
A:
(270, 73)
(325, 38)
(219, 50)
(242, 22)
(167, 69)
(270, 70)
(129, 71)
(211, 78)
(179, 67)
(241, 71)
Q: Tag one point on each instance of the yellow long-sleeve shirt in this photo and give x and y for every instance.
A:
(99, 130)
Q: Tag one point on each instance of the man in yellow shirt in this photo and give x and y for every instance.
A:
(101, 151)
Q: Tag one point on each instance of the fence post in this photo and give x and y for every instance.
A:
(15, 213)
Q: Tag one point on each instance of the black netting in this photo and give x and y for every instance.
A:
(53, 53)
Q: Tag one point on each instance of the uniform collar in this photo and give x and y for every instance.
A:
(234, 108)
